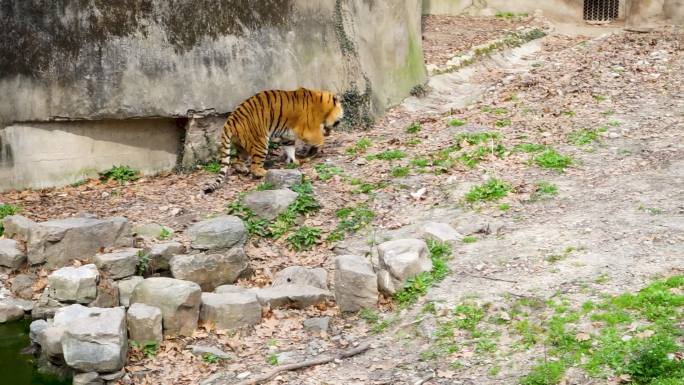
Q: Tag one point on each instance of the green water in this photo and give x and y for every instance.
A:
(17, 368)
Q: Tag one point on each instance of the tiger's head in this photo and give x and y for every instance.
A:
(333, 110)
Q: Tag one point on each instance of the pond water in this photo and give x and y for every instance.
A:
(17, 368)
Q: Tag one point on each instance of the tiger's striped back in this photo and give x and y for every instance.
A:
(274, 113)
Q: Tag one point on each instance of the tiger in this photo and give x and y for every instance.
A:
(303, 114)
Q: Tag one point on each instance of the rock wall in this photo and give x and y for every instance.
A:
(93, 60)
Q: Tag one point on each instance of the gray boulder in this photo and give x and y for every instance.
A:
(317, 324)
(10, 254)
(217, 233)
(59, 241)
(179, 302)
(442, 232)
(50, 341)
(356, 284)
(161, 253)
(17, 227)
(74, 284)
(401, 260)
(36, 330)
(126, 287)
(297, 296)
(119, 264)
(22, 286)
(10, 311)
(270, 203)
(298, 275)
(283, 178)
(144, 323)
(230, 310)
(200, 350)
(95, 339)
(225, 289)
(150, 230)
(210, 270)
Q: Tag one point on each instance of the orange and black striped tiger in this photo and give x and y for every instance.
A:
(275, 114)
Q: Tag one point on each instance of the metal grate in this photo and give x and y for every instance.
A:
(601, 10)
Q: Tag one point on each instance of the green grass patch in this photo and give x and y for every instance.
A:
(304, 238)
(493, 189)
(474, 138)
(387, 155)
(470, 239)
(634, 334)
(552, 159)
(165, 234)
(413, 142)
(549, 373)
(326, 172)
(121, 174)
(504, 207)
(457, 122)
(544, 188)
(503, 122)
(368, 188)
(529, 147)
(400, 172)
(373, 319)
(143, 262)
(417, 286)
(480, 153)
(414, 128)
(210, 358)
(212, 167)
(5, 211)
(420, 162)
(360, 147)
(511, 15)
(351, 220)
(148, 348)
(585, 136)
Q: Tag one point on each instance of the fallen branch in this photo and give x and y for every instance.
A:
(305, 364)
(491, 278)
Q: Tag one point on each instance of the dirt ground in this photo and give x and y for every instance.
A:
(616, 223)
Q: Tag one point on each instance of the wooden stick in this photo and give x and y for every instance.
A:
(305, 364)
(490, 278)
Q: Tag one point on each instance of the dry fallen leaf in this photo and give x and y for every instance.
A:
(582, 337)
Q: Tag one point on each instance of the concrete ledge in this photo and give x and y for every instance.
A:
(39, 155)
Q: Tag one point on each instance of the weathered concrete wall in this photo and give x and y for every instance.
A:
(140, 58)
(445, 7)
(47, 154)
(635, 12)
(98, 59)
(558, 9)
(673, 10)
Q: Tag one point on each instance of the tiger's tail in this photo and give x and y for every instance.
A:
(226, 140)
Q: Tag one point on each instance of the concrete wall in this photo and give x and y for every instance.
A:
(68, 60)
(47, 154)
(635, 12)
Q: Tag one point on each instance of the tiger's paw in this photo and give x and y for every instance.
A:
(241, 169)
(258, 172)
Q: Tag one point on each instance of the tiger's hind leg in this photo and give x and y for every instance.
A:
(258, 153)
(239, 161)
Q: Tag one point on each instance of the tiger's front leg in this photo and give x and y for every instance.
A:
(291, 152)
